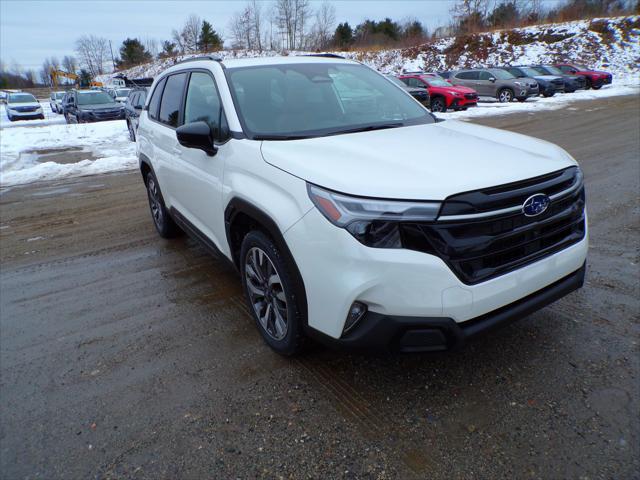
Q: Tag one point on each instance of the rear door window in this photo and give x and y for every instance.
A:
(172, 100)
(484, 75)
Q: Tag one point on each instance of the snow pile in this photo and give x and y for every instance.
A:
(24, 151)
(612, 44)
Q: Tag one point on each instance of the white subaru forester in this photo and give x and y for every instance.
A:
(352, 214)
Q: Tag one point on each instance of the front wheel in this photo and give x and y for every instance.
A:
(596, 87)
(438, 105)
(268, 283)
(548, 94)
(505, 95)
(588, 84)
(521, 99)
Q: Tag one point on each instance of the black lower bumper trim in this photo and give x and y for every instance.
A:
(432, 334)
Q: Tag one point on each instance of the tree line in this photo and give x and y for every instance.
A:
(282, 25)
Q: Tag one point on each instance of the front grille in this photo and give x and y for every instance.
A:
(107, 115)
(479, 246)
(26, 109)
(470, 96)
(558, 83)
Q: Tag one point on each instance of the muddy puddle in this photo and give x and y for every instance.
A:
(66, 155)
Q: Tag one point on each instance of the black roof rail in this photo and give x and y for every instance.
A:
(201, 57)
(326, 55)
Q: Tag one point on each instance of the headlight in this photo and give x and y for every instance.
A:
(517, 84)
(455, 94)
(373, 222)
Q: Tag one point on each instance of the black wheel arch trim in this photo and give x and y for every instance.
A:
(240, 206)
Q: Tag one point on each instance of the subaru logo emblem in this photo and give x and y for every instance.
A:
(535, 205)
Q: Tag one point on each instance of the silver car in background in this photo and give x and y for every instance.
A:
(497, 83)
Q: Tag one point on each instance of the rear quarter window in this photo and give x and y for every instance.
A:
(154, 103)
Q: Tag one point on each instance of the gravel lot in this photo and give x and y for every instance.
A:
(126, 356)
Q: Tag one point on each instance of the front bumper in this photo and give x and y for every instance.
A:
(26, 115)
(338, 270)
(434, 334)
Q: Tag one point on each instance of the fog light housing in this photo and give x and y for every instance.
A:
(356, 312)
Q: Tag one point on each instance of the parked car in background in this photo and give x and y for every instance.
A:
(443, 94)
(119, 94)
(571, 82)
(595, 78)
(549, 84)
(445, 74)
(23, 106)
(361, 224)
(132, 108)
(497, 83)
(420, 94)
(55, 101)
(81, 106)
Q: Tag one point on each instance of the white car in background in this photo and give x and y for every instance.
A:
(55, 101)
(23, 106)
(120, 95)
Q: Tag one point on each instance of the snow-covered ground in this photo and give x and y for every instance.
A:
(27, 146)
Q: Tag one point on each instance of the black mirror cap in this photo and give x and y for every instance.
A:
(197, 135)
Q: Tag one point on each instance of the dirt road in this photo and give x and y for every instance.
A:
(126, 356)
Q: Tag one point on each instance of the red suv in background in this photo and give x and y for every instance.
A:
(595, 79)
(443, 94)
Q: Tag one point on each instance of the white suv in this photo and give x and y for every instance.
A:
(352, 214)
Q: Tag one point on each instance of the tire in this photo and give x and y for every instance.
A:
(163, 222)
(596, 87)
(505, 95)
(268, 284)
(438, 104)
(522, 99)
(132, 133)
(588, 85)
(548, 94)
(41, 117)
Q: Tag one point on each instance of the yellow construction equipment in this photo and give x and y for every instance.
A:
(57, 74)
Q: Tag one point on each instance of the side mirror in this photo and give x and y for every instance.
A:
(197, 135)
(492, 79)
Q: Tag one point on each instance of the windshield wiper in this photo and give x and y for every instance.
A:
(281, 137)
(368, 128)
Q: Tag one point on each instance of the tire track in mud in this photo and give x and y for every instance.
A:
(355, 408)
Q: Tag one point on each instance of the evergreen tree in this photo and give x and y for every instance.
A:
(132, 52)
(209, 39)
(168, 50)
(343, 36)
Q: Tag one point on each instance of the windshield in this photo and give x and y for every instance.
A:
(93, 98)
(21, 98)
(396, 80)
(315, 99)
(437, 82)
(529, 72)
(553, 70)
(123, 92)
(502, 74)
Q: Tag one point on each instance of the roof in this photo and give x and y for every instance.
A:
(275, 60)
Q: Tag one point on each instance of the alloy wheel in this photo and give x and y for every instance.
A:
(505, 96)
(154, 201)
(266, 293)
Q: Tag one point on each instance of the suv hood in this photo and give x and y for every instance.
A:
(23, 104)
(452, 88)
(547, 78)
(421, 162)
(99, 106)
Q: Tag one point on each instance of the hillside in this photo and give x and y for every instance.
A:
(608, 43)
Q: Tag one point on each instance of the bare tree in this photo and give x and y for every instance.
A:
(187, 37)
(153, 46)
(30, 75)
(292, 17)
(69, 64)
(325, 25)
(256, 22)
(469, 15)
(93, 52)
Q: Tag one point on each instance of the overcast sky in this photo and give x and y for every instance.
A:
(33, 30)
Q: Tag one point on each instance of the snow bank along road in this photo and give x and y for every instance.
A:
(125, 356)
(31, 154)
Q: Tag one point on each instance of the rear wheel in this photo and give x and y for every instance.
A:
(165, 225)
(505, 95)
(588, 85)
(132, 133)
(548, 94)
(269, 288)
(596, 87)
(438, 104)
